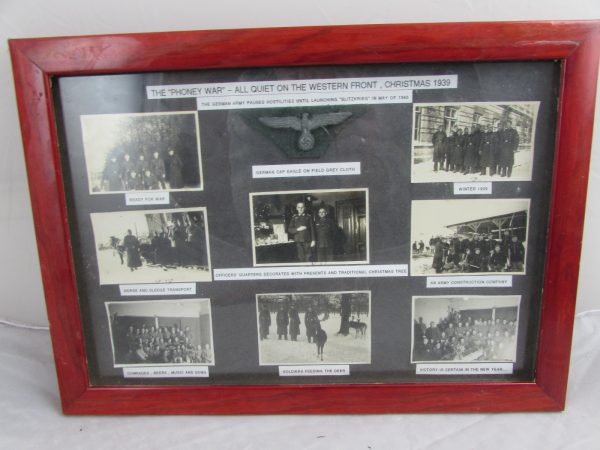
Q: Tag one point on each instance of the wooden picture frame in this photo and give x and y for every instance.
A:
(38, 63)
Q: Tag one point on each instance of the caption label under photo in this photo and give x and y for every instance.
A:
(478, 188)
(314, 370)
(147, 198)
(166, 372)
(470, 281)
(158, 289)
(306, 170)
(465, 369)
(284, 273)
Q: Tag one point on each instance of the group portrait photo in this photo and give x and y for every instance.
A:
(465, 142)
(465, 328)
(161, 332)
(310, 227)
(314, 328)
(142, 152)
(466, 237)
(152, 246)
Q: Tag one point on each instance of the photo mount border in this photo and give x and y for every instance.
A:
(575, 43)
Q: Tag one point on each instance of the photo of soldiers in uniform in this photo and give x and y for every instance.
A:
(310, 227)
(466, 237)
(141, 152)
(161, 332)
(314, 328)
(462, 142)
(465, 328)
(152, 246)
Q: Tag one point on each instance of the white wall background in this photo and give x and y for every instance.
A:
(21, 295)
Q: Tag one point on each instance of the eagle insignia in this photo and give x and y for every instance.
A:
(305, 124)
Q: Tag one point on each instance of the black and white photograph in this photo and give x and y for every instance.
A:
(466, 237)
(466, 142)
(161, 332)
(143, 151)
(314, 328)
(310, 227)
(152, 246)
(465, 328)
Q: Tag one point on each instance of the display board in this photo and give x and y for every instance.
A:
(255, 227)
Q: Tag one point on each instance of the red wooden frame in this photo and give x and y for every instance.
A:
(577, 44)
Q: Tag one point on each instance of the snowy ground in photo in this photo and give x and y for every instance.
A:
(338, 349)
(423, 172)
(421, 265)
(113, 272)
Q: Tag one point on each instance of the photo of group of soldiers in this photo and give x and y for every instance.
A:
(146, 246)
(465, 335)
(139, 152)
(461, 237)
(475, 253)
(123, 172)
(161, 332)
(473, 150)
(181, 244)
(288, 322)
(162, 345)
(472, 141)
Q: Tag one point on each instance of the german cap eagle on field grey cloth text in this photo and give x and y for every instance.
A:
(305, 124)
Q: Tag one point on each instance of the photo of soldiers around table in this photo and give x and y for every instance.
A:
(168, 332)
(310, 227)
(141, 152)
(313, 328)
(461, 142)
(466, 237)
(152, 246)
(465, 328)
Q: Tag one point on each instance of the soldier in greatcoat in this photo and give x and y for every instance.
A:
(135, 181)
(142, 164)
(439, 148)
(132, 246)
(127, 167)
(488, 151)
(438, 256)
(158, 169)
(474, 260)
(264, 322)
(149, 180)
(196, 242)
(282, 319)
(302, 229)
(516, 255)
(508, 143)
(112, 175)
(472, 148)
(311, 319)
(325, 230)
(497, 260)
(458, 151)
(175, 170)
(294, 323)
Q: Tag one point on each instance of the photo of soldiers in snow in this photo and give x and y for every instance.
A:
(458, 142)
(469, 236)
(152, 246)
(312, 328)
